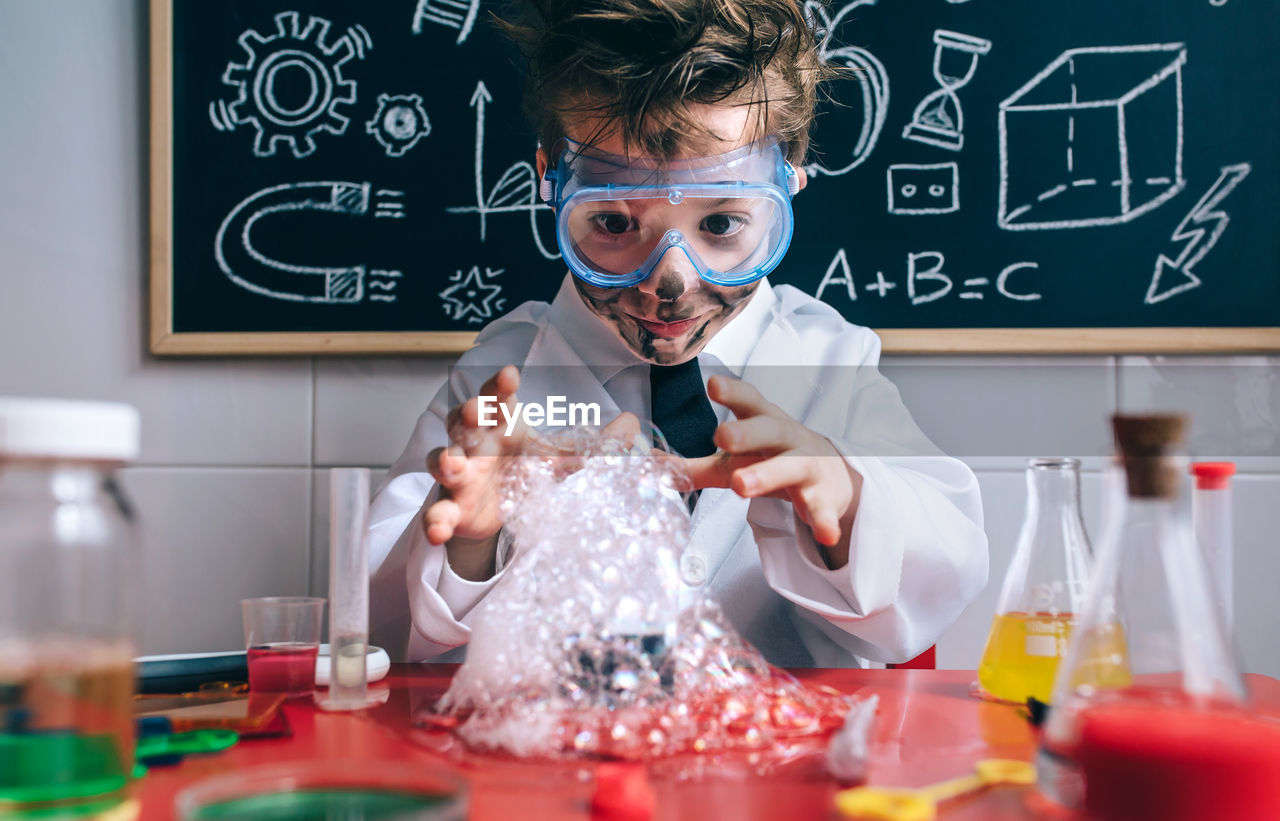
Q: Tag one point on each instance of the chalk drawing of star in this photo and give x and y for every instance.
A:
(470, 296)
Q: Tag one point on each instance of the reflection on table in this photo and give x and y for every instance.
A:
(929, 728)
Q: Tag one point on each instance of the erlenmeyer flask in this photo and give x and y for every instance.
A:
(1043, 588)
(1149, 640)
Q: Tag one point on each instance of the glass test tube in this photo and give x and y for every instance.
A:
(1211, 513)
(348, 588)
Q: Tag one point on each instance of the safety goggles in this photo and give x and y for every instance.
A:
(729, 214)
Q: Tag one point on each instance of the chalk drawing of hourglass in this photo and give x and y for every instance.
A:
(938, 119)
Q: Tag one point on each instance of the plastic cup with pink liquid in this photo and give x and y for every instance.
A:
(282, 637)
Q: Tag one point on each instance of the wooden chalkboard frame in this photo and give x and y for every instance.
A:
(165, 341)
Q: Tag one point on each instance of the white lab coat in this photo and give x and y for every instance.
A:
(917, 557)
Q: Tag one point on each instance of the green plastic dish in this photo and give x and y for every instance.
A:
(328, 790)
(322, 805)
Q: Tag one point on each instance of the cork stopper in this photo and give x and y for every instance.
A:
(1147, 444)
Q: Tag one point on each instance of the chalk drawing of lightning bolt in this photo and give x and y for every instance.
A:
(1199, 237)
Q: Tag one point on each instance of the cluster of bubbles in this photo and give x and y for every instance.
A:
(582, 647)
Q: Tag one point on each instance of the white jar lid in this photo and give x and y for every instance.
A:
(68, 428)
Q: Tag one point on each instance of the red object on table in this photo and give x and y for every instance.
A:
(928, 660)
(928, 728)
(1176, 763)
(623, 793)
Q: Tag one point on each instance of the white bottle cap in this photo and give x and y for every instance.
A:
(68, 428)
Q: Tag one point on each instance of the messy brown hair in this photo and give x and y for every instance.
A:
(639, 64)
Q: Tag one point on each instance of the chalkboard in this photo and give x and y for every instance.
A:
(339, 176)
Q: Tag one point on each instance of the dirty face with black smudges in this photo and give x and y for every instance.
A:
(672, 315)
(670, 322)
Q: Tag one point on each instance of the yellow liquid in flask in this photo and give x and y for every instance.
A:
(1022, 655)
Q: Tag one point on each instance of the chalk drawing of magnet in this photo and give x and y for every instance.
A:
(254, 271)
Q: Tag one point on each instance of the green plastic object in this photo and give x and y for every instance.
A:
(179, 744)
(322, 804)
(56, 767)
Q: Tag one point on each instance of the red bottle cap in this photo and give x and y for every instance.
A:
(1212, 475)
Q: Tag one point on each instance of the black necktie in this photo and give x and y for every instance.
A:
(681, 409)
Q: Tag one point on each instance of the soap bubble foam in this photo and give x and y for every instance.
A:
(582, 649)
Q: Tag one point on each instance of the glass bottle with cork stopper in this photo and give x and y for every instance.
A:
(1149, 660)
(1043, 587)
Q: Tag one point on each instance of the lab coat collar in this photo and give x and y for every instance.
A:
(737, 343)
(771, 354)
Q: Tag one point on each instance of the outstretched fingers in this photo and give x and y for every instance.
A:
(467, 470)
(447, 465)
(757, 434)
(738, 396)
(472, 423)
(768, 477)
(708, 471)
(441, 520)
(502, 384)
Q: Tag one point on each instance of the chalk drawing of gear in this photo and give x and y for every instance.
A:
(400, 122)
(295, 58)
(254, 271)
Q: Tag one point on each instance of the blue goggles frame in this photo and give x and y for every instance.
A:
(756, 171)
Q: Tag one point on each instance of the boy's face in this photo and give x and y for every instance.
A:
(671, 316)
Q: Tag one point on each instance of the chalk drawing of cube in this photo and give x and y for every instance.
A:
(1094, 139)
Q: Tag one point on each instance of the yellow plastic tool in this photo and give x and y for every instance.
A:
(892, 804)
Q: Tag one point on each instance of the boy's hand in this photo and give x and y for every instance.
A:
(469, 474)
(764, 452)
(466, 518)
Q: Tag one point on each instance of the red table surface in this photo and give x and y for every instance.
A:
(928, 729)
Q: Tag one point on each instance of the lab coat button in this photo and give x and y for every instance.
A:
(693, 568)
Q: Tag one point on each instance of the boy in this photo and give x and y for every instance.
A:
(672, 137)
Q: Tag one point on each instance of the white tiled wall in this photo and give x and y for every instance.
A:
(366, 408)
(996, 411)
(212, 536)
(232, 483)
